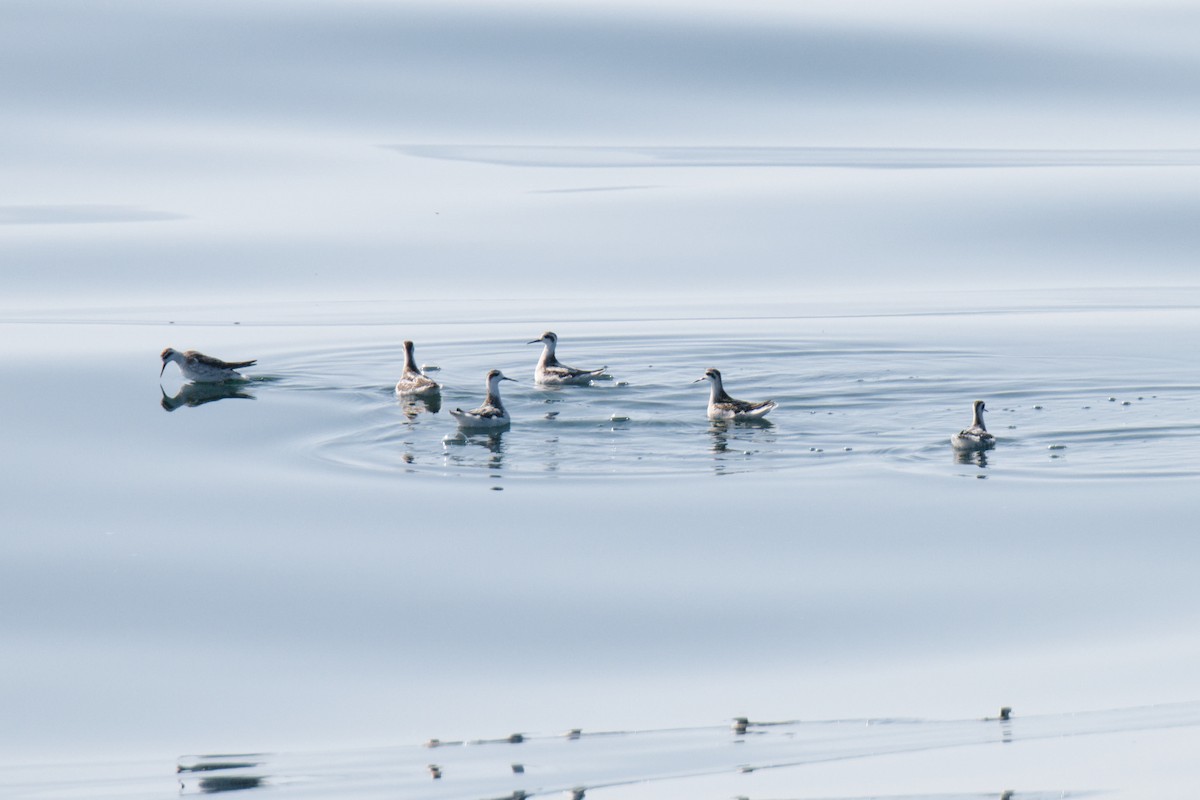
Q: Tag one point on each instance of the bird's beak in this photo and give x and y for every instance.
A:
(506, 378)
(164, 369)
(699, 379)
(535, 341)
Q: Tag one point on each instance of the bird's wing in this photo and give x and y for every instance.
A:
(219, 364)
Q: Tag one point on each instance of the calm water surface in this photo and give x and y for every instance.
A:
(334, 566)
(872, 213)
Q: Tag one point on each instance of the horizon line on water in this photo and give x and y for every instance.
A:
(625, 156)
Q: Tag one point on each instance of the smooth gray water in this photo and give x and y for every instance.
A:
(873, 214)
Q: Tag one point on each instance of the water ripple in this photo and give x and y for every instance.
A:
(843, 406)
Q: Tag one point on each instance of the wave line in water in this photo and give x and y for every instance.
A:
(762, 156)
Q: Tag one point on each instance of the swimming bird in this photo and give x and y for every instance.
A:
(722, 406)
(412, 380)
(975, 437)
(550, 372)
(489, 416)
(204, 369)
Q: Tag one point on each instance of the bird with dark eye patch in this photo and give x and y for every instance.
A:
(200, 368)
(551, 372)
(976, 437)
(492, 414)
(722, 406)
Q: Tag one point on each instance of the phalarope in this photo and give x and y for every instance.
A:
(975, 437)
(412, 380)
(722, 406)
(491, 415)
(204, 369)
(550, 372)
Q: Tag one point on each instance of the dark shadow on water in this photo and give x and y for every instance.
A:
(197, 394)
(229, 783)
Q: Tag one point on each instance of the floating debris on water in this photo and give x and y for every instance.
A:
(1057, 447)
(619, 418)
(430, 368)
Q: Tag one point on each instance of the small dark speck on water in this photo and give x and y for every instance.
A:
(1037, 408)
(497, 488)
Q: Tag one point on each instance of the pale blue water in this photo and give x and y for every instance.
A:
(872, 215)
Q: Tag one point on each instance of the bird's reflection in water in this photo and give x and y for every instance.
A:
(197, 394)
(411, 407)
(215, 774)
(493, 442)
(723, 431)
(730, 448)
(720, 437)
(978, 458)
